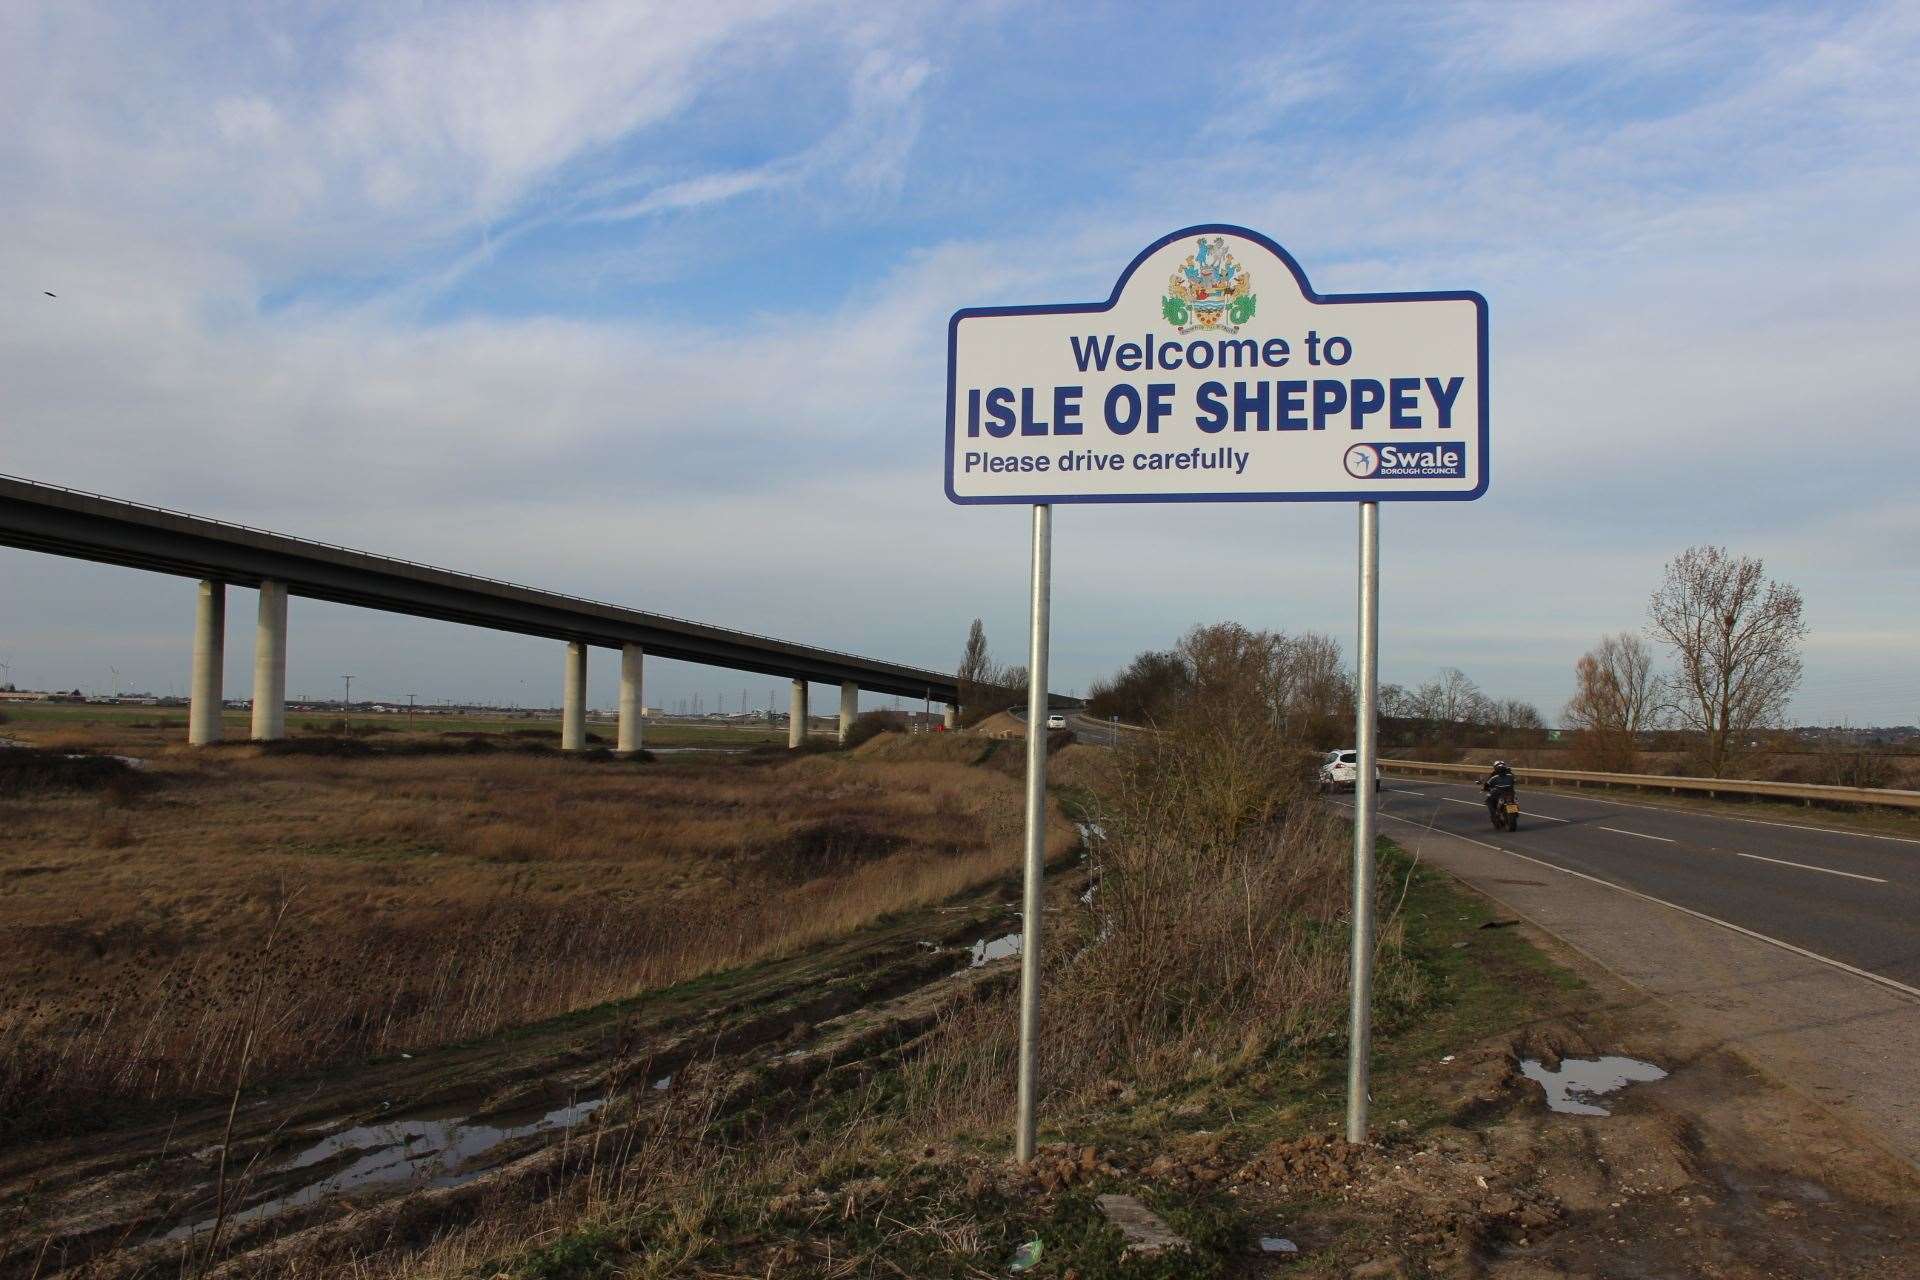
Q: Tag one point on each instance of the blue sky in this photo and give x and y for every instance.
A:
(647, 302)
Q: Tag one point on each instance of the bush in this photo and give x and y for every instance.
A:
(1603, 752)
(870, 724)
(1216, 930)
(1859, 766)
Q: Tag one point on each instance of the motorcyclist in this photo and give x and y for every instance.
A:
(1498, 786)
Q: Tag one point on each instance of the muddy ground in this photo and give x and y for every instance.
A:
(349, 1153)
(1710, 1171)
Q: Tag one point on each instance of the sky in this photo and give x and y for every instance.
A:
(647, 302)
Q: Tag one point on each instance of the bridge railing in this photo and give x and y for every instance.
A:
(1811, 793)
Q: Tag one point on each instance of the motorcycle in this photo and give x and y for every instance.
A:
(1503, 806)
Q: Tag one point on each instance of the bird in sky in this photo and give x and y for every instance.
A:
(50, 294)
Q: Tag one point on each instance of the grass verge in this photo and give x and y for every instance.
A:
(875, 1181)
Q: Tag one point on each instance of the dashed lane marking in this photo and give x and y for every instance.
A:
(1729, 817)
(1806, 866)
(1890, 983)
(1641, 835)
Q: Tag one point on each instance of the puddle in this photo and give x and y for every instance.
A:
(990, 949)
(703, 751)
(132, 762)
(425, 1152)
(1570, 1090)
(1278, 1244)
(663, 1084)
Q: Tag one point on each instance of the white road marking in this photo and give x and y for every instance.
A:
(1704, 813)
(1809, 867)
(1851, 875)
(1795, 826)
(1475, 804)
(1842, 965)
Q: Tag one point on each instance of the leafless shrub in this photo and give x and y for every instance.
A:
(1214, 931)
(1854, 763)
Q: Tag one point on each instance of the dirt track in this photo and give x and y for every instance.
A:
(1713, 1171)
(340, 1155)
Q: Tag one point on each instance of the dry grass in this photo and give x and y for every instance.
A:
(437, 898)
(1207, 944)
(1207, 947)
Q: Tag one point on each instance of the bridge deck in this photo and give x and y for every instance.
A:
(87, 526)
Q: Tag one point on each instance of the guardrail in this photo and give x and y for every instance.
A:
(1805, 791)
(1121, 725)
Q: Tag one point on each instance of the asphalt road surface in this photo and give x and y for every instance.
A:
(1850, 900)
(1098, 733)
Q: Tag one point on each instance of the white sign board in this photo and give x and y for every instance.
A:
(1215, 374)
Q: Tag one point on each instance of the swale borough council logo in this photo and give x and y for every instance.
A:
(1210, 291)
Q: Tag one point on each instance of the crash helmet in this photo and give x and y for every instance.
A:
(1500, 766)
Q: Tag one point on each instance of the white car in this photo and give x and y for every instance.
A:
(1341, 768)
(1056, 721)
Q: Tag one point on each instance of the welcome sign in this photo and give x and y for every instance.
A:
(1214, 373)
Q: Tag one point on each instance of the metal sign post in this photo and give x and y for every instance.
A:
(1215, 373)
(1036, 862)
(1366, 742)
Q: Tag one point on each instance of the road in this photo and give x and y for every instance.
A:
(1098, 733)
(1791, 943)
(1847, 898)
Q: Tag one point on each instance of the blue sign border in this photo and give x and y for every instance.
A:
(1306, 291)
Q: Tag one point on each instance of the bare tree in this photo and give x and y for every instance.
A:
(1142, 692)
(1616, 697)
(1448, 705)
(975, 663)
(1515, 722)
(1313, 695)
(1736, 638)
(1395, 701)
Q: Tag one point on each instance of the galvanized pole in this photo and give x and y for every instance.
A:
(1366, 740)
(1036, 827)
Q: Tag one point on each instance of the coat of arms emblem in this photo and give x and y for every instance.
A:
(1210, 291)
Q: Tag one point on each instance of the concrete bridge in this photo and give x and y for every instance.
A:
(68, 522)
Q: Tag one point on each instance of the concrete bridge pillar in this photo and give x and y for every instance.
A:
(849, 708)
(797, 716)
(573, 699)
(952, 718)
(209, 658)
(270, 664)
(631, 696)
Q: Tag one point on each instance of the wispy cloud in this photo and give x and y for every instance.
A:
(343, 138)
(293, 256)
(694, 193)
(865, 154)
